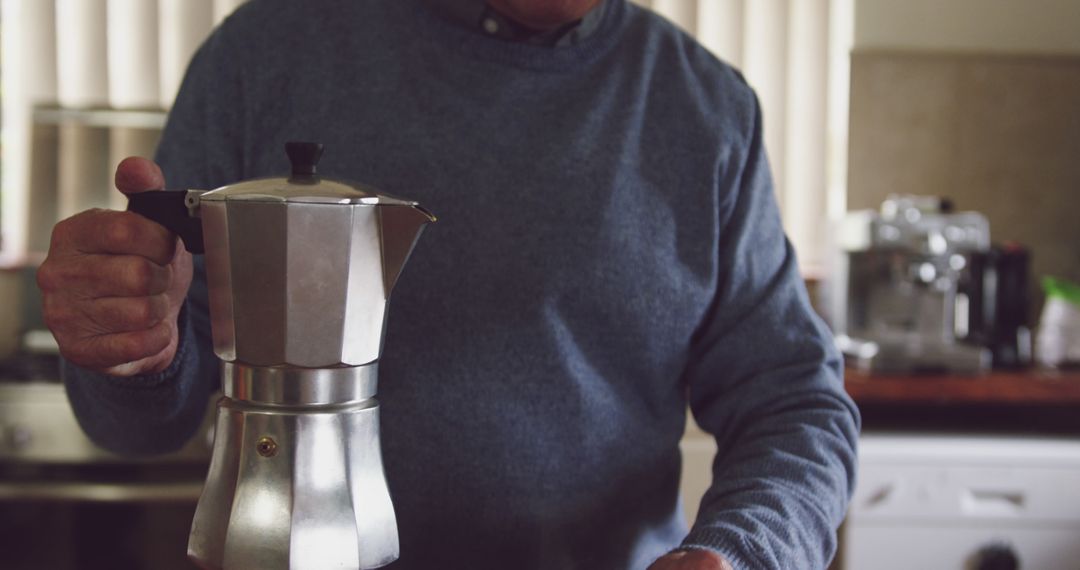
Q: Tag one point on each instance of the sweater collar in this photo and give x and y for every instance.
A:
(443, 33)
(477, 15)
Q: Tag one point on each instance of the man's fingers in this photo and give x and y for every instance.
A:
(123, 233)
(127, 314)
(97, 276)
(107, 351)
(136, 174)
(81, 319)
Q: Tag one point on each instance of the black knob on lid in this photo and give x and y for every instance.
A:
(304, 157)
(996, 556)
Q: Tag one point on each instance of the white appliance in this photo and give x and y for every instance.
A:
(964, 503)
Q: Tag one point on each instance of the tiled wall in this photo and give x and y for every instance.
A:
(996, 133)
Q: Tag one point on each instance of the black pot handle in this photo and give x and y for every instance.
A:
(170, 209)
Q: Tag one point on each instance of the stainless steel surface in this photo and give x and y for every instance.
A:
(299, 284)
(300, 271)
(283, 386)
(299, 487)
(296, 283)
(320, 191)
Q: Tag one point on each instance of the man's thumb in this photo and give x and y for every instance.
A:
(135, 174)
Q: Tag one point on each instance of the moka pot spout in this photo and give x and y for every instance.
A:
(401, 228)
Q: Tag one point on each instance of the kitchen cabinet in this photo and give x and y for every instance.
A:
(951, 502)
(1027, 388)
(956, 470)
(66, 504)
(952, 471)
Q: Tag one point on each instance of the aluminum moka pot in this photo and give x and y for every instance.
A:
(300, 271)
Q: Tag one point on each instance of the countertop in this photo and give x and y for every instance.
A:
(1031, 401)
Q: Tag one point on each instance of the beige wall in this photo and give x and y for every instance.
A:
(998, 134)
(985, 26)
(977, 100)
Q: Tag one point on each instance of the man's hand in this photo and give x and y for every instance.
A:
(691, 560)
(114, 282)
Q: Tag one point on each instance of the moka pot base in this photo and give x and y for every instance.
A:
(296, 477)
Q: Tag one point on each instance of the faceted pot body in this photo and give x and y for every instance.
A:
(303, 284)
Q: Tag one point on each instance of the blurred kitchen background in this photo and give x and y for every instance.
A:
(927, 159)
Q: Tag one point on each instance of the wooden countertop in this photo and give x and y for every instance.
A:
(1033, 387)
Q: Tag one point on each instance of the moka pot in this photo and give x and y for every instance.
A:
(299, 271)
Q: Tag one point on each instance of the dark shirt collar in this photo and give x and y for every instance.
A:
(477, 15)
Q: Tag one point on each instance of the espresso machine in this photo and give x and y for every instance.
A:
(299, 271)
(920, 288)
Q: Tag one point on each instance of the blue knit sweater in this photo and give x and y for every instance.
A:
(608, 251)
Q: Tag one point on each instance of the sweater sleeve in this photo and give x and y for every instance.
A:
(767, 382)
(199, 149)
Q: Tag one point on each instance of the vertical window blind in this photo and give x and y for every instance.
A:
(794, 53)
(81, 54)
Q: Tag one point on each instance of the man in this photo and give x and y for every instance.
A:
(608, 249)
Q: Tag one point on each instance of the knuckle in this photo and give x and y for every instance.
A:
(139, 275)
(54, 314)
(52, 318)
(142, 312)
(71, 231)
(121, 232)
(60, 233)
(60, 274)
(159, 306)
(46, 276)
